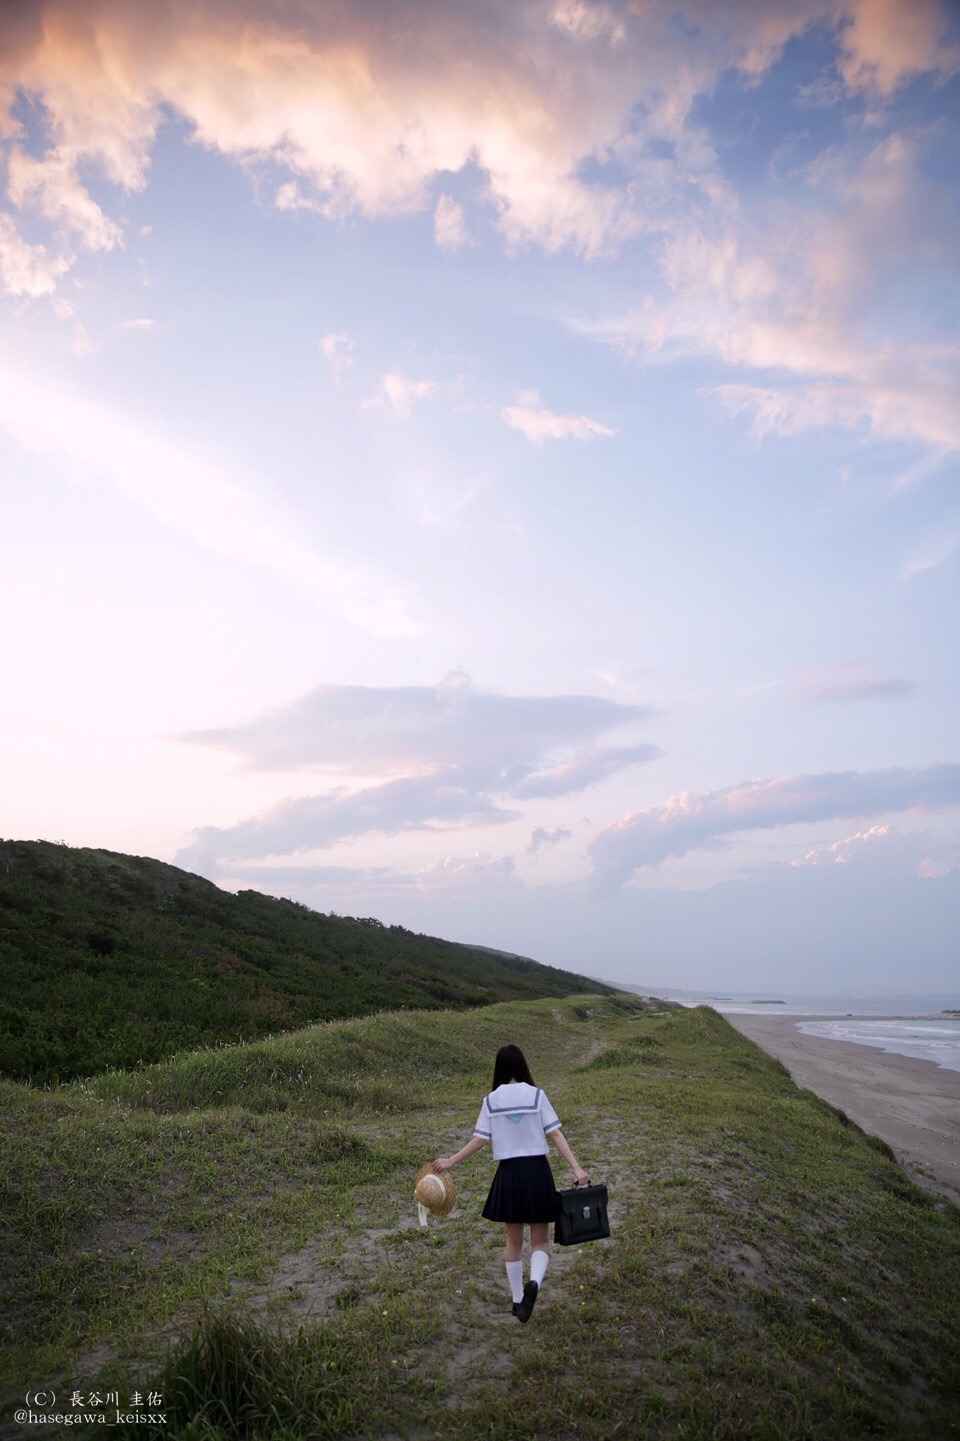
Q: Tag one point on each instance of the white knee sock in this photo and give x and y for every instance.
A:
(539, 1261)
(515, 1277)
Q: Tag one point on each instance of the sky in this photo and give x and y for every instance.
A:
(494, 468)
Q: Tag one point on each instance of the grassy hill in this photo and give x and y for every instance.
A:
(114, 960)
(235, 1230)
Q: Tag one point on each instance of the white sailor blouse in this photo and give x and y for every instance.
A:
(516, 1119)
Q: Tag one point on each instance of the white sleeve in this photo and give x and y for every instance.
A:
(482, 1128)
(548, 1116)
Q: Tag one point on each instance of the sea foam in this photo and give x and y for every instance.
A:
(928, 1040)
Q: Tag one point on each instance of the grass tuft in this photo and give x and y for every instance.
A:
(234, 1378)
(339, 1157)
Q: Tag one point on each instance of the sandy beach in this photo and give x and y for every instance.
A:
(911, 1104)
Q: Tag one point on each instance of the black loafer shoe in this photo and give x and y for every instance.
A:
(523, 1310)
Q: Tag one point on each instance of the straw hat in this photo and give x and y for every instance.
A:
(434, 1193)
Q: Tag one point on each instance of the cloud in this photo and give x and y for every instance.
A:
(399, 395)
(793, 296)
(852, 690)
(540, 838)
(27, 269)
(926, 855)
(196, 498)
(899, 412)
(580, 126)
(361, 119)
(370, 729)
(51, 187)
(338, 349)
(539, 424)
(361, 111)
(449, 224)
(306, 879)
(586, 769)
(888, 42)
(455, 756)
(690, 822)
(588, 21)
(932, 868)
(374, 886)
(794, 930)
(821, 94)
(778, 928)
(840, 852)
(430, 802)
(930, 553)
(465, 875)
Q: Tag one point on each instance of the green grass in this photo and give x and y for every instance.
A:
(110, 960)
(234, 1228)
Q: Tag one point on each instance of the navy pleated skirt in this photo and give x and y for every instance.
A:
(523, 1191)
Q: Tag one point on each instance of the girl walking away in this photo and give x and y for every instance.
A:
(516, 1118)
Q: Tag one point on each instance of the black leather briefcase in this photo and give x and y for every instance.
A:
(581, 1215)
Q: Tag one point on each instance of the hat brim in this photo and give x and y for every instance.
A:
(444, 1207)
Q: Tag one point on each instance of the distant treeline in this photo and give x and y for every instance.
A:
(112, 960)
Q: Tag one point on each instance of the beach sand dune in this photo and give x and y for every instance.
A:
(911, 1104)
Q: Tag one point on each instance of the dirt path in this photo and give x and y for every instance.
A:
(377, 1253)
(458, 1261)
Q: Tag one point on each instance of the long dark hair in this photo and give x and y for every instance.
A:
(510, 1065)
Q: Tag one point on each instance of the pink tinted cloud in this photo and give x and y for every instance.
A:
(51, 187)
(338, 350)
(380, 730)
(842, 851)
(464, 874)
(689, 821)
(541, 838)
(588, 768)
(791, 297)
(399, 395)
(888, 42)
(26, 269)
(863, 688)
(364, 108)
(360, 119)
(539, 424)
(915, 408)
(930, 552)
(446, 756)
(449, 224)
(430, 802)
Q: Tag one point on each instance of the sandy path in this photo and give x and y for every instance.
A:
(911, 1104)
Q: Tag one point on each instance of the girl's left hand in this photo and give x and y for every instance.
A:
(442, 1163)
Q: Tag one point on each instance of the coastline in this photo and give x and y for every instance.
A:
(912, 1104)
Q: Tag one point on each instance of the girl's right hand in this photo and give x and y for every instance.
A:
(581, 1178)
(442, 1163)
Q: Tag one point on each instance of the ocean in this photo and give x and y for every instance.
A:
(908, 1025)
